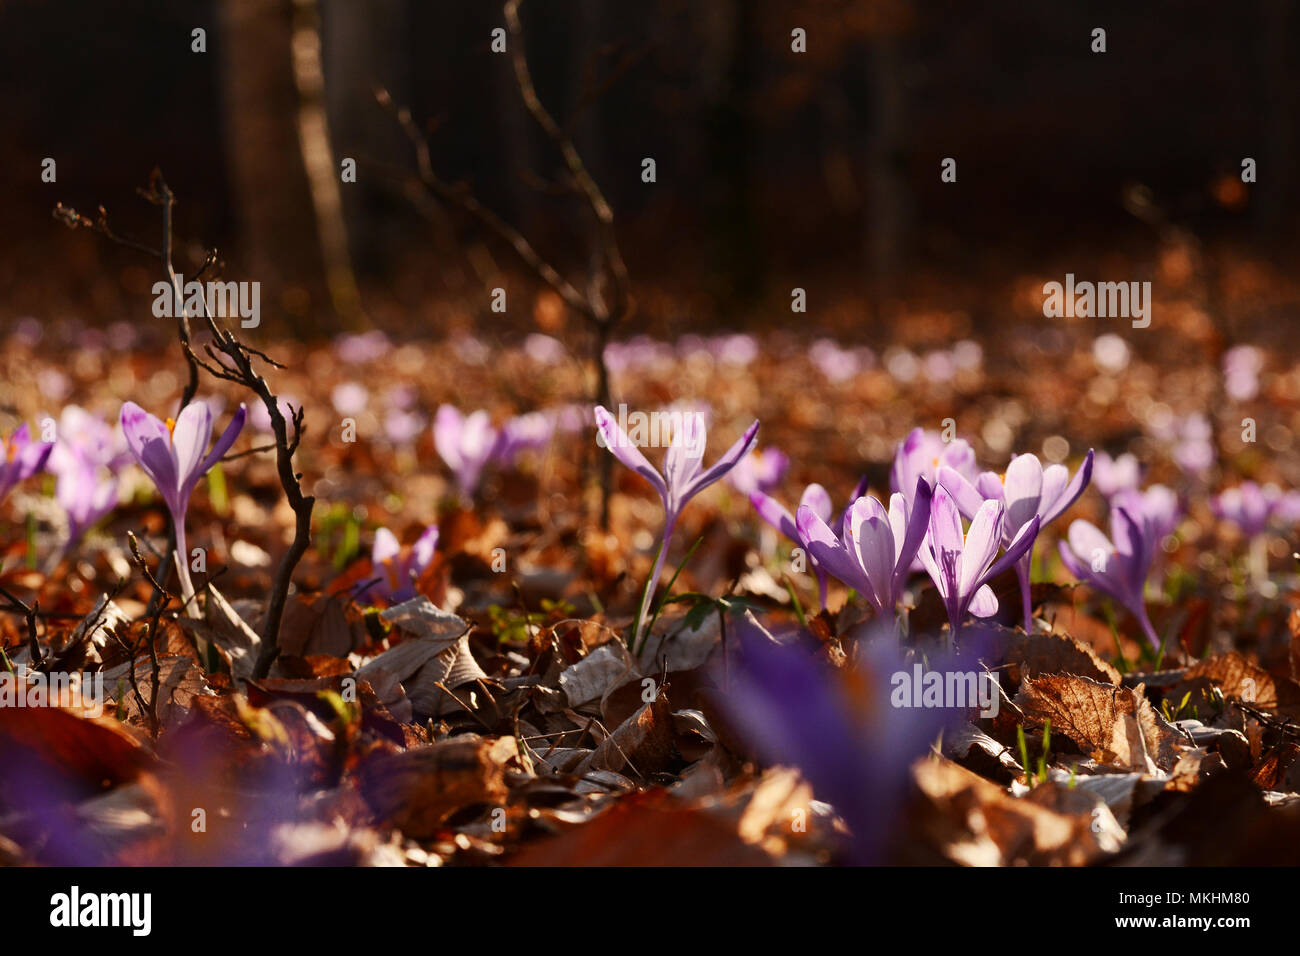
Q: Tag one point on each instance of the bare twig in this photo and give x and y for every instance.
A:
(229, 359)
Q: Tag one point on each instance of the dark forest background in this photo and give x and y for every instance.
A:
(774, 169)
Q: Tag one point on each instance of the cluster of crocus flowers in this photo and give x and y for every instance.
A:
(875, 549)
(1027, 491)
(397, 568)
(816, 499)
(171, 453)
(21, 459)
(682, 478)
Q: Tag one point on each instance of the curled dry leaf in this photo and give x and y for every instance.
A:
(416, 790)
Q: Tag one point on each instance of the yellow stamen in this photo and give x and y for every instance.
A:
(171, 427)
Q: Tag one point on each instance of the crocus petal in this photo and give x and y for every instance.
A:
(190, 437)
(775, 514)
(982, 542)
(1054, 506)
(1020, 544)
(945, 523)
(819, 500)
(424, 547)
(385, 548)
(964, 494)
(622, 448)
(686, 450)
(827, 550)
(1023, 490)
(226, 439)
(447, 426)
(724, 464)
(917, 524)
(984, 603)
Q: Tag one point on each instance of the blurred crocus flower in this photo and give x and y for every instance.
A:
(22, 459)
(1250, 506)
(530, 432)
(543, 349)
(86, 440)
(838, 726)
(759, 471)
(1193, 449)
(260, 418)
(1157, 507)
(1117, 568)
(400, 568)
(681, 480)
(835, 363)
(1241, 367)
(875, 549)
(961, 565)
(362, 347)
(172, 455)
(86, 493)
(466, 443)
(349, 398)
(1027, 491)
(1113, 475)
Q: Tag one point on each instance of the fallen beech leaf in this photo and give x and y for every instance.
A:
(416, 790)
(1033, 654)
(1113, 725)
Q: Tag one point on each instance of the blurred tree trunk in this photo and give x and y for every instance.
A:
(273, 202)
(1278, 159)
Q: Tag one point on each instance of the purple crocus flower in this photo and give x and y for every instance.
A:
(759, 471)
(400, 569)
(532, 431)
(875, 549)
(85, 439)
(172, 455)
(961, 565)
(1027, 490)
(1113, 475)
(838, 727)
(681, 480)
(22, 459)
(921, 454)
(1118, 569)
(466, 443)
(1241, 367)
(1250, 506)
(86, 493)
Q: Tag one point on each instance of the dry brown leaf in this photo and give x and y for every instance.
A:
(1113, 725)
(1033, 654)
(416, 790)
(1240, 678)
(644, 741)
(650, 829)
(970, 821)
